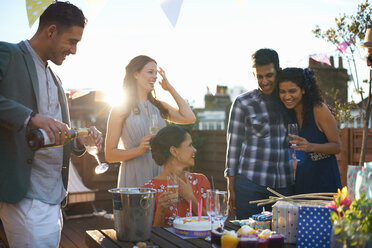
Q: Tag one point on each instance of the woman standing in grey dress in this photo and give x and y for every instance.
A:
(130, 121)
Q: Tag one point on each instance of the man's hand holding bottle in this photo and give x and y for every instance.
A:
(56, 130)
(59, 133)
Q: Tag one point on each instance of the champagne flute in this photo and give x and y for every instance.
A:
(210, 203)
(173, 189)
(92, 149)
(221, 207)
(154, 125)
(292, 130)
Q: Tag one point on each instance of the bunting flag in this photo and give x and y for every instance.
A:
(343, 46)
(240, 3)
(78, 93)
(35, 8)
(94, 7)
(171, 9)
(323, 58)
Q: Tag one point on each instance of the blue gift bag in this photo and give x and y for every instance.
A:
(314, 227)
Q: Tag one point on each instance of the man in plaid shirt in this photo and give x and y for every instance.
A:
(257, 151)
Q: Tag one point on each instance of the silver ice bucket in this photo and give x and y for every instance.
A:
(133, 212)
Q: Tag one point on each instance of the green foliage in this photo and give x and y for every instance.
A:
(349, 28)
(342, 109)
(352, 28)
(355, 226)
(361, 210)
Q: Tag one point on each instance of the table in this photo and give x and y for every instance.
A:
(160, 237)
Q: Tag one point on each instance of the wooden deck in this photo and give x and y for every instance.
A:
(73, 232)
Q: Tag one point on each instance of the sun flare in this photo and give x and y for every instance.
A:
(114, 96)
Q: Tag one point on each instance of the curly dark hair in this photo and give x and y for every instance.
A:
(130, 86)
(303, 78)
(166, 138)
(62, 14)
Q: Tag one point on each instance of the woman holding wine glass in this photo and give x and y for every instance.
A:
(318, 139)
(172, 146)
(137, 119)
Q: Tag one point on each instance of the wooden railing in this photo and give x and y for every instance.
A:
(211, 161)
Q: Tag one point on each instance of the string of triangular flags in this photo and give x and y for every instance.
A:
(322, 58)
(35, 8)
(341, 47)
(344, 45)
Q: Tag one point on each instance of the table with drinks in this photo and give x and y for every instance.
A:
(160, 237)
(133, 211)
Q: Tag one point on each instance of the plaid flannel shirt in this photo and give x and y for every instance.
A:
(257, 146)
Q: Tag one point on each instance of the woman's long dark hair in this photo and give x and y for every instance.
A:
(130, 87)
(303, 78)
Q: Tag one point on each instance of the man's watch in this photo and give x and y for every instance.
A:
(31, 115)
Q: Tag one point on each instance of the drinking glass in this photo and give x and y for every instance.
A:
(220, 207)
(173, 188)
(210, 203)
(154, 125)
(92, 149)
(292, 130)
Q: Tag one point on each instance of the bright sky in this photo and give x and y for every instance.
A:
(211, 44)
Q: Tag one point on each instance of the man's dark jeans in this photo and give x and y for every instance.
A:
(246, 190)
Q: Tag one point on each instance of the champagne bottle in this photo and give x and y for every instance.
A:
(39, 139)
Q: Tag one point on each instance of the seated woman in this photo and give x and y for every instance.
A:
(172, 146)
(318, 139)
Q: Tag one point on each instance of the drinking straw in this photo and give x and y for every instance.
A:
(190, 209)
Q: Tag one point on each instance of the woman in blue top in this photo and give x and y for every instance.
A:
(318, 139)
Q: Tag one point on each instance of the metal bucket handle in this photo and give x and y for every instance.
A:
(145, 202)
